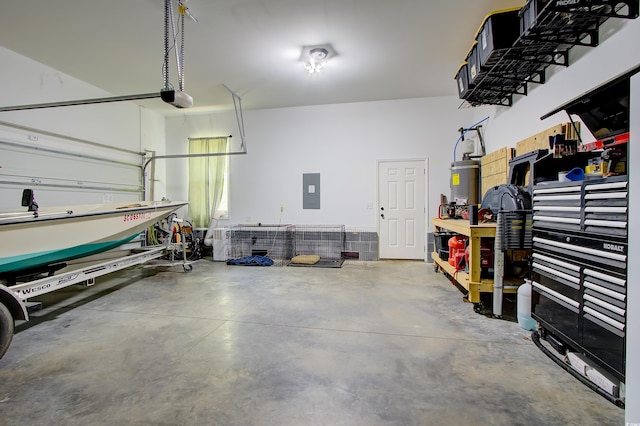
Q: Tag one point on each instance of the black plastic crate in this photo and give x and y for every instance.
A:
(462, 80)
(441, 240)
(498, 32)
(467, 72)
(529, 14)
(474, 70)
(443, 254)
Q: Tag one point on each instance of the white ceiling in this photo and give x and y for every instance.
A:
(386, 49)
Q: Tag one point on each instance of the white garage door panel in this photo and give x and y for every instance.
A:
(60, 176)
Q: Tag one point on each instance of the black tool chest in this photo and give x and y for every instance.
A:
(580, 267)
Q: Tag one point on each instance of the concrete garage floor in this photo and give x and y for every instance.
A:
(382, 343)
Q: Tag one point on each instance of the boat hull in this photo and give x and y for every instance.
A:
(72, 232)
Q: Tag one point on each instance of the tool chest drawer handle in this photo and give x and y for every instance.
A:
(613, 294)
(606, 223)
(613, 256)
(605, 305)
(555, 261)
(567, 277)
(605, 186)
(605, 209)
(604, 277)
(557, 297)
(604, 318)
(556, 219)
(606, 196)
(575, 188)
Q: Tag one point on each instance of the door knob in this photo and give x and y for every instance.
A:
(382, 215)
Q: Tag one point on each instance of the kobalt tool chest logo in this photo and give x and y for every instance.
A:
(613, 247)
(136, 216)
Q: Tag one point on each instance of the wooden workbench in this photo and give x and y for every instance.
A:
(470, 281)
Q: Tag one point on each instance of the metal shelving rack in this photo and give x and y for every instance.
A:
(548, 32)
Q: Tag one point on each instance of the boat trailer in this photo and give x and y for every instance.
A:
(14, 303)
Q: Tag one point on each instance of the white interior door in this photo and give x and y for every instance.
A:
(401, 209)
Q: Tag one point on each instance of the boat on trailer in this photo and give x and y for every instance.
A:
(35, 239)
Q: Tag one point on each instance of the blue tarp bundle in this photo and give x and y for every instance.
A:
(251, 261)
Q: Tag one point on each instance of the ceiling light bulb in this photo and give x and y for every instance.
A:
(314, 58)
(317, 60)
(318, 54)
(314, 67)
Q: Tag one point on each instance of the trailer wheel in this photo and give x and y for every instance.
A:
(6, 329)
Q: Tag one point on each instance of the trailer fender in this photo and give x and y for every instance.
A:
(11, 307)
(13, 303)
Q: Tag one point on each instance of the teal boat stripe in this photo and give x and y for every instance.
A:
(34, 260)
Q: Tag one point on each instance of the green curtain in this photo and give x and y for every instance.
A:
(206, 178)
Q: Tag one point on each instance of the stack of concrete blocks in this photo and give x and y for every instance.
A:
(364, 243)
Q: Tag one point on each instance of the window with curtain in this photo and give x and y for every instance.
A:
(208, 180)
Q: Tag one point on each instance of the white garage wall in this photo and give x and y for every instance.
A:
(342, 142)
(153, 142)
(25, 81)
(113, 131)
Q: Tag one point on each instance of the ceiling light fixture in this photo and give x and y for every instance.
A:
(314, 58)
(317, 60)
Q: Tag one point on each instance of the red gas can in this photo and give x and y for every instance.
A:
(456, 249)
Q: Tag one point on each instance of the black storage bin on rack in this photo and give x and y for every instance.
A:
(580, 267)
(474, 70)
(545, 32)
(462, 77)
(496, 35)
(529, 14)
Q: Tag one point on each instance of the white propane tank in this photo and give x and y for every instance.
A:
(524, 307)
